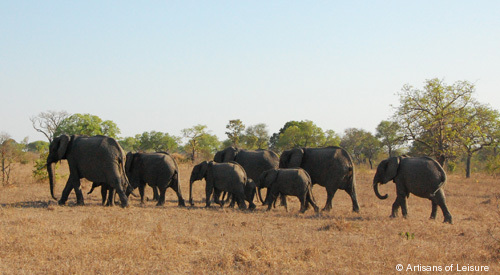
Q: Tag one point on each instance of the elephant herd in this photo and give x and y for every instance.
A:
(241, 174)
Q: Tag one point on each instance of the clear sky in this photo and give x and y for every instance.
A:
(170, 65)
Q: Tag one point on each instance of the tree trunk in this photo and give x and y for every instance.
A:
(468, 167)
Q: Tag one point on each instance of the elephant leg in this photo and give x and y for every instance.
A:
(330, 193)
(395, 208)
(217, 200)
(241, 201)
(404, 207)
(283, 201)
(156, 194)
(111, 196)
(116, 184)
(177, 189)
(311, 201)
(161, 199)
(440, 199)
(303, 203)
(208, 193)
(354, 199)
(67, 189)
(104, 194)
(434, 209)
(141, 191)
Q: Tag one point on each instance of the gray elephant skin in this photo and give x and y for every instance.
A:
(291, 181)
(253, 161)
(421, 176)
(330, 167)
(105, 188)
(97, 158)
(229, 177)
(155, 169)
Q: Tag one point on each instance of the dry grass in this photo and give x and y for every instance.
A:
(37, 236)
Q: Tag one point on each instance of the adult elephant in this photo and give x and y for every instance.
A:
(253, 161)
(330, 167)
(97, 158)
(156, 169)
(423, 177)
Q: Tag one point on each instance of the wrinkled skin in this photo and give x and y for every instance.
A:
(330, 167)
(229, 177)
(423, 177)
(291, 181)
(253, 161)
(98, 159)
(155, 169)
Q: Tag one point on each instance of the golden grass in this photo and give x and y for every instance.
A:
(39, 237)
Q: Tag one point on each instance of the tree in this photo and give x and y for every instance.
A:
(298, 134)
(429, 116)
(331, 138)
(235, 128)
(48, 122)
(479, 128)
(388, 133)
(87, 124)
(199, 141)
(155, 141)
(10, 152)
(256, 137)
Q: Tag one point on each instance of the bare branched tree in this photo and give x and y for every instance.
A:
(47, 122)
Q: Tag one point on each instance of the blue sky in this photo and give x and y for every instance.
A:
(170, 65)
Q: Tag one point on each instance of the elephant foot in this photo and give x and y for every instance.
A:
(392, 216)
(355, 209)
(432, 217)
(252, 206)
(448, 220)
(61, 202)
(327, 208)
(80, 203)
(124, 205)
(316, 209)
(181, 203)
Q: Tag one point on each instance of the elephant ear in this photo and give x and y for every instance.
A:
(295, 159)
(128, 162)
(271, 177)
(391, 171)
(62, 146)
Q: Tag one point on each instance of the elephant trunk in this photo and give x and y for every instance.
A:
(375, 188)
(51, 172)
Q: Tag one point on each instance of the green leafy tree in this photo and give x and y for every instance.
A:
(428, 116)
(479, 127)
(199, 141)
(87, 124)
(235, 129)
(388, 134)
(331, 138)
(37, 146)
(362, 145)
(298, 134)
(256, 137)
(156, 141)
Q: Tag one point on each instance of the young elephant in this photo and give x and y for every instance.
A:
(229, 177)
(291, 181)
(157, 170)
(422, 176)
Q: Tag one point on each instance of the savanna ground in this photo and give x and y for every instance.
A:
(39, 237)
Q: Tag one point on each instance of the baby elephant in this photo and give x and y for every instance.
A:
(291, 181)
(422, 176)
(228, 176)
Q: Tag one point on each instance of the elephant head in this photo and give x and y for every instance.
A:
(266, 179)
(57, 152)
(387, 170)
(226, 155)
(199, 172)
(291, 158)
